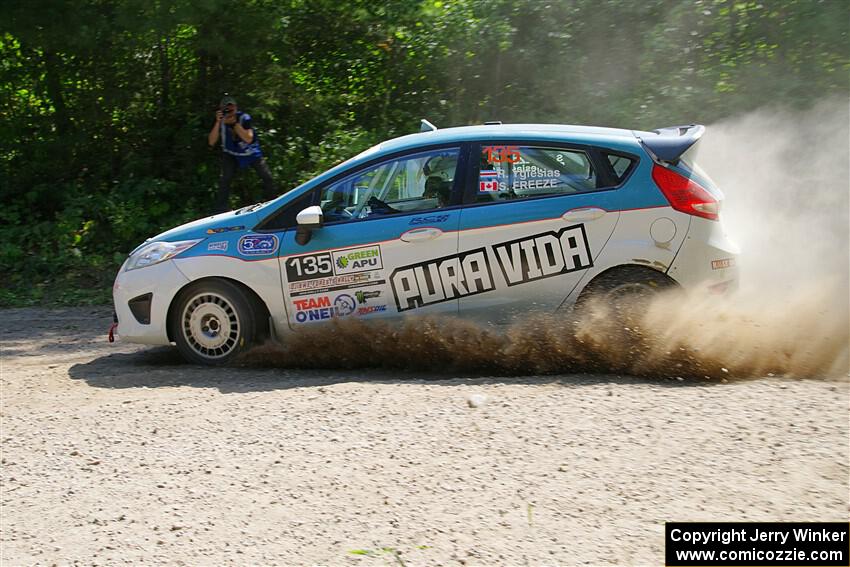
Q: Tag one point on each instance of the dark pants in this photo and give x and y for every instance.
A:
(229, 168)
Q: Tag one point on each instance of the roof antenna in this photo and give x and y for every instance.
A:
(426, 126)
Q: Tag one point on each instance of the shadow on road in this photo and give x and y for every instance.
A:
(161, 367)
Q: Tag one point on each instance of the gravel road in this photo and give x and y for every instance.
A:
(116, 454)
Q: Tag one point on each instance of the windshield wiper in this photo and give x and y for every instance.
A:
(247, 209)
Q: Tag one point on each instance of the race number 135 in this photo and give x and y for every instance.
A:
(309, 267)
(502, 154)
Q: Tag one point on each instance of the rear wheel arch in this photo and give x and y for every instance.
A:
(625, 274)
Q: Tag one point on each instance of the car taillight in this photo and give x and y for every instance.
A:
(684, 194)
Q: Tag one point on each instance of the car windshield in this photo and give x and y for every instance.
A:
(412, 183)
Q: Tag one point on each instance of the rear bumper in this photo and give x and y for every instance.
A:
(157, 284)
(707, 258)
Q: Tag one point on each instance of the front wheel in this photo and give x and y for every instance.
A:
(213, 321)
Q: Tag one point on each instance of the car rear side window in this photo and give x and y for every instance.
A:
(517, 172)
(620, 165)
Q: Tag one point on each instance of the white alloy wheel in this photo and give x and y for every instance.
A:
(210, 325)
(212, 321)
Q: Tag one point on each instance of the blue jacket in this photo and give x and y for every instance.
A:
(234, 145)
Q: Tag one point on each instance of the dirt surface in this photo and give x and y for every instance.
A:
(123, 454)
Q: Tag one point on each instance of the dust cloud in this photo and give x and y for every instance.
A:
(785, 177)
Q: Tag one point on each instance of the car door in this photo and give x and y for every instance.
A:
(536, 212)
(383, 224)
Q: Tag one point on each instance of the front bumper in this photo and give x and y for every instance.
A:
(162, 281)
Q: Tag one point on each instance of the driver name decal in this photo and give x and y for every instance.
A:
(469, 273)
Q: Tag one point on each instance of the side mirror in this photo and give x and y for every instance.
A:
(308, 220)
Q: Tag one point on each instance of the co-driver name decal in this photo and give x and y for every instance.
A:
(469, 273)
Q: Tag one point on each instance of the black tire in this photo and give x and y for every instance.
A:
(627, 291)
(212, 322)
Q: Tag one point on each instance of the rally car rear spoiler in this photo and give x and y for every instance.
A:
(668, 144)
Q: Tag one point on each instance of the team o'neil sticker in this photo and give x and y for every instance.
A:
(258, 244)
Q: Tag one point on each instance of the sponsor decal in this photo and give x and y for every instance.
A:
(335, 283)
(353, 260)
(443, 279)
(300, 268)
(435, 219)
(724, 263)
(344, 305)
(312, 303)
(371, 309)
(221, 246)
(220, 229)
(488, 181)
(313, 309)
(321, 308)
(258, 244)
(469, 273)
(544, 255)
(325, 265)
(364, 296)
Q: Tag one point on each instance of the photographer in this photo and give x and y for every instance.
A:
(240, 149)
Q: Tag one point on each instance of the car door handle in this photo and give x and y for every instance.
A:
(584, 214)
(421, 234)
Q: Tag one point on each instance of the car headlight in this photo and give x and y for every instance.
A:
(157, 252)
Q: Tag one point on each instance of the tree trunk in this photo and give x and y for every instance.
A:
(164, 75)
(54, 91)
(166, 142)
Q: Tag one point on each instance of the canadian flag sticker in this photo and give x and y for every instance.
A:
(488, 182)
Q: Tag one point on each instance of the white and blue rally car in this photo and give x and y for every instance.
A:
(486, 222)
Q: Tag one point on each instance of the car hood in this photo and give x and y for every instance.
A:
(238, 220)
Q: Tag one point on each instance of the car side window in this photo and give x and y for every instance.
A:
(620, 165)
(412, 183)
(517, 172)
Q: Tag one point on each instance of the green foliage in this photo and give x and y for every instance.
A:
(385, 551)
(105, 104)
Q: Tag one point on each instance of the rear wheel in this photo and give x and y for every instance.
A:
(626, 291)
(213, 322)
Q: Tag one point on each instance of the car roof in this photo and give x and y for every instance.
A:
(495, 131)
(615, 138)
